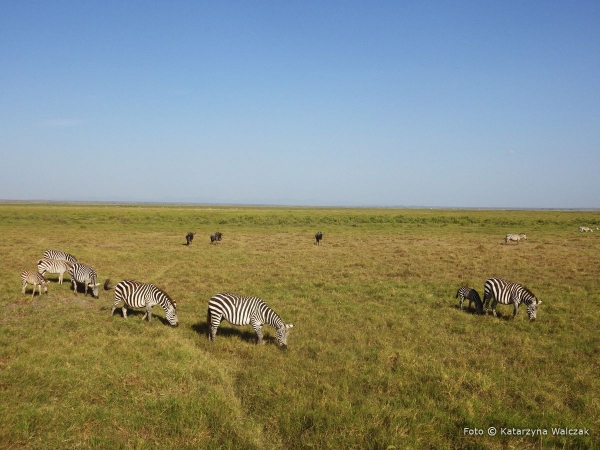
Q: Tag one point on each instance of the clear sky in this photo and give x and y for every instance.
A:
(352, 103)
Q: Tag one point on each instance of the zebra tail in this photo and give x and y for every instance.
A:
(208, 323)
(107, 286)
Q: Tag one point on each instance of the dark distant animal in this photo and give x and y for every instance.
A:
(216, 237)
(81, 273)
(505, 293)
(466, 293)
(54, 266)
(514, 238)
(57, 254)
(36, 280)
(134, 294)
(318, 237)
(189, 238)
(238, 310)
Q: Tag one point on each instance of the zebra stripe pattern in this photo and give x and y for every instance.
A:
(466, 293)
(36, 280)
(53, 266)
(86, 275)
(514, 238)
(135, 294)
(62, 256)
(239, 310)
(506, 293)
(585, 229)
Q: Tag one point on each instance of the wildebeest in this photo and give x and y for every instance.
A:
(215, 237)
(189, 238)
(318, 237)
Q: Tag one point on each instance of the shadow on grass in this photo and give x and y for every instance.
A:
(225, 332)
(136, 314)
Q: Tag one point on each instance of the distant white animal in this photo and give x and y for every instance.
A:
(514, 238)
(585, 229)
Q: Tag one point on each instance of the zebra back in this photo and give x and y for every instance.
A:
(57, 254)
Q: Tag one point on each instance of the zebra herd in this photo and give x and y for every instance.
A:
(503, 292)
(236, 309)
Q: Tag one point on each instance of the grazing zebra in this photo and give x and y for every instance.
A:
(505, 293)
(57, 254)
(81, 273)
(514, 238)
(54, 266)
(585, 229)
(36, 280)
(189, 238)
(238, 310)
(215, 237)
(134, 294)
(466, 293)
(318, 237)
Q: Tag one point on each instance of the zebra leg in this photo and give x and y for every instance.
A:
(494, 303)
(516, 309)
(462, 299)
(24, 288)
(74, 286)
(212, 327)
(124, 309)
(148, 313)
(60, 277)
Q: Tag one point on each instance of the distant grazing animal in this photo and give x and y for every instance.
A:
(36, 280)
(585, 229)
(318, 237)
(514, 238)
(57, 254)
(238, 310)
(54, 266)
(189, 238)
(466, 293)
(506, 293)
(215, 237)
(134, 294)
(81, 273)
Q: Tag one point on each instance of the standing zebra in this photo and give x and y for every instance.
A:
(134, 294)
(514, 238)
(238, 310)
(216, 237)
(318, 237)
(54, 266)
(466, 293)
(585, 229)
(36, 280)
(189, 238)
(57, 254)
(81, 273)
(505, 293)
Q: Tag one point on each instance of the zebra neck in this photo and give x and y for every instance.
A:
(273, 319)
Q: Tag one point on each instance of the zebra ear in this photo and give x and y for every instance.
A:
(290, 325)
(539, 302)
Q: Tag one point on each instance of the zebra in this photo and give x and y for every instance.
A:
(466, 293)
(318, 237)
(189, 238)
(239, 310)
(36, 279)
(54, 266)
(57, 254)
(81, 273)
(585, 229)
(134, 294)
(216, 237)
(515, 238)
(505, 293)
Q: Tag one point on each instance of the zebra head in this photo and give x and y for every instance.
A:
(532, 309)
(94, 287)
(171, 313)
(281, 335)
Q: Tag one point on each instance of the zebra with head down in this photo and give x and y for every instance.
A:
(514, 238)
(506, 293)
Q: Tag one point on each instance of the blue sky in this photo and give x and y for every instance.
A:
(351, 103)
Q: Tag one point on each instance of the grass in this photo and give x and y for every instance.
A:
(380, 356)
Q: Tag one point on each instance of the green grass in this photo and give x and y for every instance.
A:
(379, 356)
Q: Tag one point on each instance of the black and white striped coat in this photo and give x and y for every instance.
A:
(466, 293)
(54, 266)
(506, 293)
(62, 256)
(135, 294)
(514, 238)
(239, 310)
(584, 229)
(86, 275)
(34, 278)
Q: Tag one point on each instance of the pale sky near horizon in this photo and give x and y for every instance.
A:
(349, 103)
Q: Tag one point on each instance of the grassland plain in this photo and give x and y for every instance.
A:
(380, 356)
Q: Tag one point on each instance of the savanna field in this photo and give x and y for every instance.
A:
(380, 356)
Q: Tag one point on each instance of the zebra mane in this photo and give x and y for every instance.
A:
(166, 295)
(528, 291)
